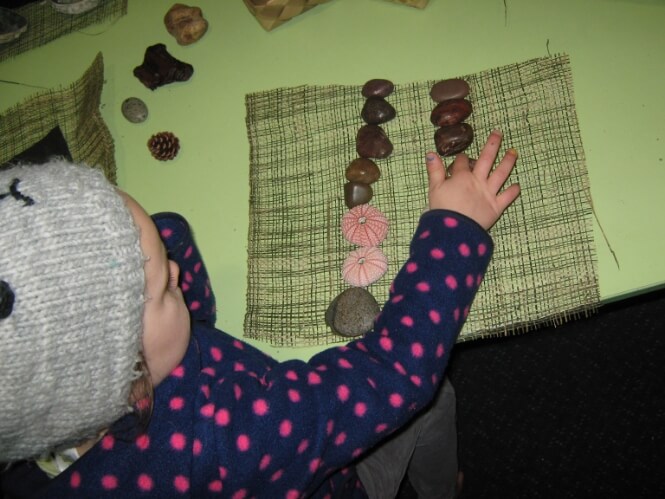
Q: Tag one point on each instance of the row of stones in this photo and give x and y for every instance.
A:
(371, 142)
(353, 311)
(453, 135)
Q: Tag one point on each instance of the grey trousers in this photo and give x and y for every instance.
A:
(425, 450)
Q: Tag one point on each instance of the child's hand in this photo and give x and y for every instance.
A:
(474, 193)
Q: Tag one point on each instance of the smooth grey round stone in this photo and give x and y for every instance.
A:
(135, 110)
(378, 87)
(372, 142)
(352, 312)
(377, 110)
(454, 88)
(356, 193)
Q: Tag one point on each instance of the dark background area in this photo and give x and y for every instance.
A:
(573, 411)
(10, 4)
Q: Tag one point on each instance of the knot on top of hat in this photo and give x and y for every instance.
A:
(16, 194)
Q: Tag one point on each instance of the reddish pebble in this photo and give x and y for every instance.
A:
(377, 87)
(372, 142)
(450, 111)
(454, 88)
(453, 139)
(363, 170)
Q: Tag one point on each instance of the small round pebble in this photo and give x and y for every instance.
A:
(363, 170)
(134, 109)
(377, 87)
(357, 193)
(454, 88)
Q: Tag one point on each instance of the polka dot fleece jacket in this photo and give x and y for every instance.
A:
(232, 422)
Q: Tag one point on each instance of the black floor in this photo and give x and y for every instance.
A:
(576, 411)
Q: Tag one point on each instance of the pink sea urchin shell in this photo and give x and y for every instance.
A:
(364, 225)
(364, 266)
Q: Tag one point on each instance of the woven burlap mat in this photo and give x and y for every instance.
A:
(302, 139)
(74, 110)
(45, 24)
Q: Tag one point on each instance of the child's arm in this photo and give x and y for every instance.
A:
(307, 419)
(228, 420)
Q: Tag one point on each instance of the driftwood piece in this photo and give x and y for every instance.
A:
(160, 68)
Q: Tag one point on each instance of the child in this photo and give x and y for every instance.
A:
(90, 305)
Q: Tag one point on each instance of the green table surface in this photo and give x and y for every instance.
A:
(617, 52)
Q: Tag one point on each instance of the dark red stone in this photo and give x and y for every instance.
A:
(372, 142)
(453, 139)
(377, 110)
(377, 87)
(450, 111)
(454, 88)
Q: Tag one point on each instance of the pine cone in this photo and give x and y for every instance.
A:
(164, 146)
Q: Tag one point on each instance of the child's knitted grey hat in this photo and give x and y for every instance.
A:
(71, 304)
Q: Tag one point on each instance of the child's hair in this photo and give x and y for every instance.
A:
(71, 306)
(141, 395)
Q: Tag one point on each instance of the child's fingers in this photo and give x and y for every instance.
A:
(436, 171)
(461, 162)
(501, 173)
(488, 154)
(507, 196)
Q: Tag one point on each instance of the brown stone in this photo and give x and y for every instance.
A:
(356, 193)
(363, 170)
(377, 110)
(453, 139)
(377, 87)
(372, 142)
(454, 88)
(185, 23)
(450, 111)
